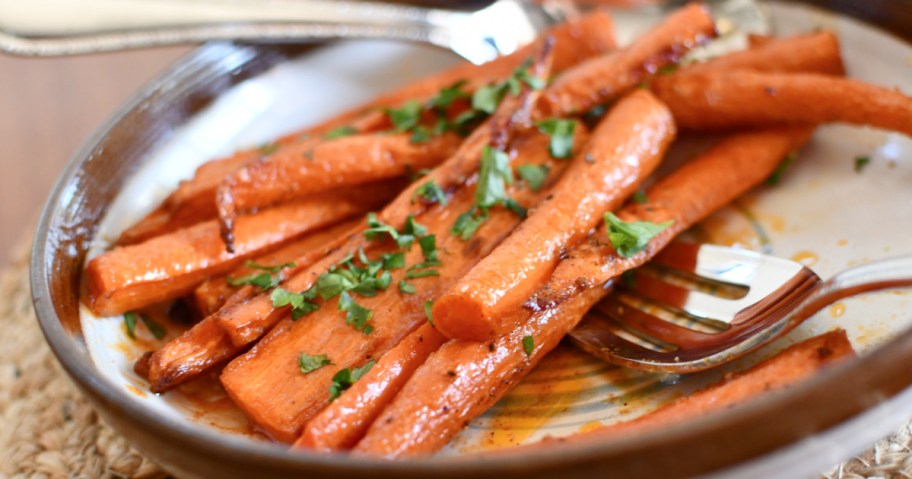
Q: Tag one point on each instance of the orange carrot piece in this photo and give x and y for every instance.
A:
(788, 367)
(745, 99)
(305, 169)
(169, 266)
(812, 53)
(212, 294)
(274, 394)
(344, 421)
(602, 79)
(625, 148)
(464, 378)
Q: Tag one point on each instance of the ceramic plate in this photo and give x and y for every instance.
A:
(823, 213)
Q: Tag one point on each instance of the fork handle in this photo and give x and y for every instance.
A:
(29, 28)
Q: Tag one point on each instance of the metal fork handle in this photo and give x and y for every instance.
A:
(891, 273)
(113, 25)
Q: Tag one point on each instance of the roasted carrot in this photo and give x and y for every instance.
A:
(306, 169)
(345, 420)
(273, 392)
(745, 99)
(170, 266)
(602, 79)
(625, 148)
(212, 294)
(786, 368)
(463, 378)
(815, 53)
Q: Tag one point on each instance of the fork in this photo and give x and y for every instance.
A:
(697, 307)
(65, 27)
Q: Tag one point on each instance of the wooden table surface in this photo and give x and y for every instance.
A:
(47, 108)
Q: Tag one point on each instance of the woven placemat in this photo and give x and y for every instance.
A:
(48, 430)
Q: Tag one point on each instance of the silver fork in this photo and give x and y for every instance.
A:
(67, 27)
(697, 307)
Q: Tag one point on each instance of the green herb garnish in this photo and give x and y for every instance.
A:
(431, 193)
(406, 288)
(268, 279)
(301, 303)
(344, 379)
(776, 176)
(428, 311)
(469, 222)
(861, 162)
(533, 175)
(340, 131)
(640, 197)
(629, 239)
(130, 319)
(528, 345)
(309, 364)
(356, 315)
(560, 132)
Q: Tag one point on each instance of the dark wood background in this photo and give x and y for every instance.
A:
(49, 106)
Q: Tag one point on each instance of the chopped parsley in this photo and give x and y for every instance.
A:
(560, 132)
(629, 239)
(406, 288)
(776, 176)
(528, 345)
(344, 379)
(640, 197)
(269, 278)
(406, 117)
(340, 131)
(533, 175)
(430, 193)
(428, 311)
(861, 162)
(130, 319)
(493, 177)
(267, 149)
(301, 303)
(309, 364)
(356, 315)
(469, 222)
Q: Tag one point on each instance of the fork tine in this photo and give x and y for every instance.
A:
(651, 326)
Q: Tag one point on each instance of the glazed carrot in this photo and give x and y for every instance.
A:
(816, 52)
(625, 148)
(306, 169)
(786, 368)
(181, 360)
(744, 99)
(464, 378)
(602, 79)
(170, 266)
(345, 420)
(212, 294)
(274, 394)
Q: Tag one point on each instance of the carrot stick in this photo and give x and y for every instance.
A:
(625, 148)
(345, 420)
(739, 99)
(306, 169)
(170, 266)
(464, 378)
(274, 394)
(212, 294)
(602, 79)
(814, 53)
(788, 367)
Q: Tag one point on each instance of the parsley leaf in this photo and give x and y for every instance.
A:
(263, 280)
(130, 322)
(356, 315)
(157, 330)
(861, 162)
(488, 97)
(406, 117)
(344, 379)
(561, 134)
(393, 260)
(406, 288)
(446, 96)
(431, 193)
(640, 197)
(340, 131)
(629, 239)
(309, 364)
(267, 149)
(428, 308)
(300, 302)
(776, 176)
(469, 222)
(528, 345)
(533, 175)
(493, 177)
(376, 228)
(428, 246)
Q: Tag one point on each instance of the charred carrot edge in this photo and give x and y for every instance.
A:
(812, 53)
(256, 378)
(170, 266)
(212, 294)
(589, 36)
(463, 378)
(744, 99)
(790, 366)
(599, 80)
(624, 149)
(304, 169)
(344, 421)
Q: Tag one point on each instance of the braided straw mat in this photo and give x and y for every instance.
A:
(48, 430)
